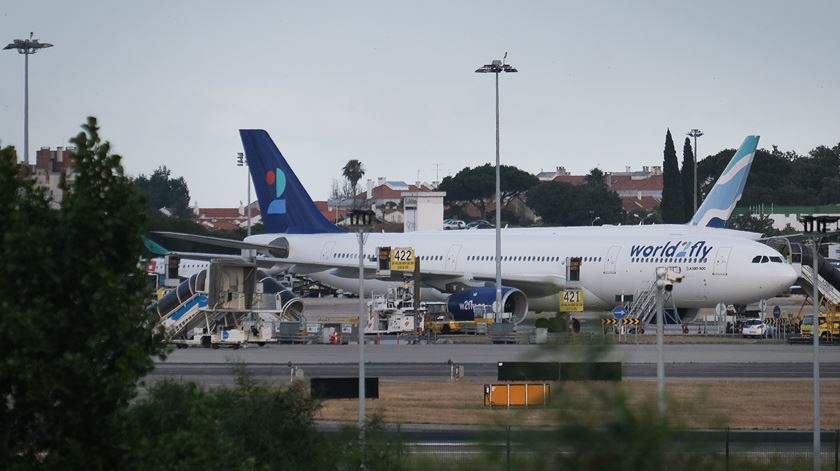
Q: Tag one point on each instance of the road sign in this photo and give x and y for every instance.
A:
(720, 309)
(619, 312)
(632, 321)
(777, 312)
(608, 322)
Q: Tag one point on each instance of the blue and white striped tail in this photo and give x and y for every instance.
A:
(718, 206)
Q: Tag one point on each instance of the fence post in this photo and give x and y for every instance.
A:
(508, 448)
(727, 448)
(399, 443)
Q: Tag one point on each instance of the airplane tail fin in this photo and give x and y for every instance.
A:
(284, 204)
(154, 247)
(719, 204)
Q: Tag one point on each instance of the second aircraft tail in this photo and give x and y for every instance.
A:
(719, 204)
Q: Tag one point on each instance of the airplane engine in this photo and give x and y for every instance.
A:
(687, 315)
(463, 305)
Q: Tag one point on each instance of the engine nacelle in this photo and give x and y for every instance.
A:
(462, 305)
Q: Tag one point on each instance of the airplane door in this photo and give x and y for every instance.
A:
(612, 256)
(452, 258)
(721, 261)
(326, 251)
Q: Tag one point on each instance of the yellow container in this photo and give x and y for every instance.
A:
(517, 394)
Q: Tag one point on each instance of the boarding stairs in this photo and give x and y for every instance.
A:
(186, 315)
(643, 306)
(826, 289)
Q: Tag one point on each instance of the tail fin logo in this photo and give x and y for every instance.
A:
(277, 179)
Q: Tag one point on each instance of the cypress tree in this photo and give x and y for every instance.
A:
(672, 208)
(688, 180)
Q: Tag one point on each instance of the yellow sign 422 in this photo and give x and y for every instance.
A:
(402, 259)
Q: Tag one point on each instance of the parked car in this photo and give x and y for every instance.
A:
(480, 224)
(449, 224)
(756, 328)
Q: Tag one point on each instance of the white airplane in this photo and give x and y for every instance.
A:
(719, 265)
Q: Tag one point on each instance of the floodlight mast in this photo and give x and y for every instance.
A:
(26, 47)
(695, 133)
(497, 67)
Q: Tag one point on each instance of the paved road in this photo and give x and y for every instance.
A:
(215, 373)
(739, 354)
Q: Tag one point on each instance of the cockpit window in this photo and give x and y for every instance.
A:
(765, 259)
(756, 259)
(776, 259)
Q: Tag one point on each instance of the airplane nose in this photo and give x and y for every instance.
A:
(787, 277)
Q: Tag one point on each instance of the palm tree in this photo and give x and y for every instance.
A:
(353, 171)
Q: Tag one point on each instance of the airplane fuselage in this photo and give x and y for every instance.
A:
(616, 262)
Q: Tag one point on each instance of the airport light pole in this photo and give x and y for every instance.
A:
(362, 327)
(360, 221)
(241, 162)
(695, 133)
(496, 67)
(815, 334)
(660, 342)
(26, 47)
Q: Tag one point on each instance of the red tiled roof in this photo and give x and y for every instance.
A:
(627, 183)
(331, 214)
(219, 213)
(385, 192)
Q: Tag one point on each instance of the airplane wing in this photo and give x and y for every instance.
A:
(217, 241)
(262, 262)
(534, 285)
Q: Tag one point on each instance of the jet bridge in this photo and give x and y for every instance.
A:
(230, 302)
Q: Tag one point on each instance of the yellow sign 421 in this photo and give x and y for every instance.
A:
(571, 300)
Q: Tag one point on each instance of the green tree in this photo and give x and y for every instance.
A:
(687, 174)
(760, 223)
(353, 171)
(672, 208)
(248, 426)
(564, 204)
(553, 202)
(163, 191)
(74, 339)
(595, 177)
(477, 186)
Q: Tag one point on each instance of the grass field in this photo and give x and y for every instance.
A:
(739, 404)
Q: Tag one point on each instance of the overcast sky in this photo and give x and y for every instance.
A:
(391, 83)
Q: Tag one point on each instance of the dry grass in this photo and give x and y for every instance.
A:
(740, 404)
